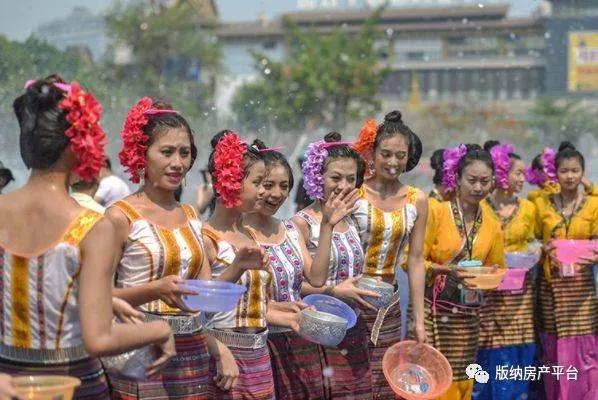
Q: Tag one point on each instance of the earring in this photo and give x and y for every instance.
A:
(141, 174)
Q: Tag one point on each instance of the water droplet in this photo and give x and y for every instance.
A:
(267, 71)
(344, 352)
(143, 26)
(264, 61)
(454, 310)
(480, 5)
(444, 319)
(328, 372)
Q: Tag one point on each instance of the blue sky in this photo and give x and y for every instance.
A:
(19, 18)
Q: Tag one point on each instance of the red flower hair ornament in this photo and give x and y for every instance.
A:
(132, 156)
(365, 142)
(87, 138)
(228, 169)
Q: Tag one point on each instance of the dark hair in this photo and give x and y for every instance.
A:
(491, 143)
(272, 158)
(393, 125)
(251, 156)
(566, 151)
(160, 123)
(108, 163)
(436, 162)
(178, 193)
(84, 185)
(43, 124)
(474, 153)
(344, 151)
(537, 162)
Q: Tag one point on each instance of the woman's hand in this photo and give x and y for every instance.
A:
(419, 332)
(227, 370)
(250, 258)
(339, 206)
(125, 312)
(461, 274)
(167, 351)
(170, 291)
(285, 313)
(347, 291)
(7, 390)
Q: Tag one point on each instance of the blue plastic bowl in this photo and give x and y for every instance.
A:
(332, 305)
(213, 296)
(521, 260)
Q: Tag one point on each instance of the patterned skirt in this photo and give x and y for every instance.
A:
(296, 367)
(347, 373)
(184, 377)
(93, 381)
(255, 376)
(384, 330)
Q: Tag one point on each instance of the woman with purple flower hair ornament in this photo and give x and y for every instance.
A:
(333, 169)
(391, 216)
(460, 233)
(568, 315)
(507, 317)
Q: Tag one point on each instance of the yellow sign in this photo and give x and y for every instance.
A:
(583, 61)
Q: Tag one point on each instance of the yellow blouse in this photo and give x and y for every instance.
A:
(520, 228)
(582, 225)
(549, 188)
(446, 242)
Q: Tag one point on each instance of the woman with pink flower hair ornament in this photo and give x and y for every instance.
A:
(332, 170)
(391, 216)
(507, 334)
(460, 233)
(568, 314)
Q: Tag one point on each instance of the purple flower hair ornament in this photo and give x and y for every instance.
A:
(452, 156)
(502, 164)
(313, 167)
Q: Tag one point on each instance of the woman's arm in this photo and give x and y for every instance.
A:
(415, 266)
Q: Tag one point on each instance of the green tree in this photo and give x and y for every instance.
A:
(170, 47)
(323, 80)
(556, 120)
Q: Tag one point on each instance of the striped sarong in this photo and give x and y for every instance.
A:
(385, 330)
(184, 377)
(94, 385)
(255, 376)
(347, 373)
(296, 367)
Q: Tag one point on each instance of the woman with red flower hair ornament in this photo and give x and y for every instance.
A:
(391, 216)
(237, 171)
(161, 244)
(56, 258)
(507, 334)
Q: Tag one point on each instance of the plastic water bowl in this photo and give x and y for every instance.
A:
(570, 251)
(133, 364)
(332, 305)
(385, 290)
(45, 387)
(513, 280)
(416, 371)
(322, 328)
(213, 296)
(483, 278)
(522, 260)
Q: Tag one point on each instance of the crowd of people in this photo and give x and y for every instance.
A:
(90, 270)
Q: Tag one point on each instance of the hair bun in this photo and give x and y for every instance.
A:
(333, 137)
(394, 116)
(566, 145)
(473, 147)
(258, 144)
(218, 137)
(437, 159)
(161, 105)
(490, 144)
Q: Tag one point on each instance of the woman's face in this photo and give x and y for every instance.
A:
(276, 188)
(340, 173)
(168, 159)
(475, 183)
(569, 173)
(252, 188)
(391, 156)
(516, 176)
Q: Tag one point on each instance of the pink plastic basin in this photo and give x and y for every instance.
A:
(570, 251)
(513, 280)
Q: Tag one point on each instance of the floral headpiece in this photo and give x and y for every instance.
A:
(87, 138)
(502, 164)
(316, 154)
(229, 169)
(451, 157)
(365, 142)
(547, 175)
(132, 155)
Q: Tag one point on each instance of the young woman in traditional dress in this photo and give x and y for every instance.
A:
(390, 216)
(332, 168)
(507, 334)
(460, 230)
(568, 322)
(160, 245)
(237, 171)
(295, 360)
(56, 258)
